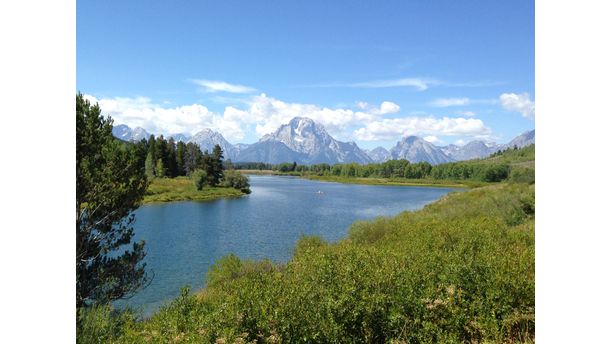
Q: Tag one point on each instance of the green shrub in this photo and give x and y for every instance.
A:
(522, 175)
(102, 324)
(199, 179)
(236, 180)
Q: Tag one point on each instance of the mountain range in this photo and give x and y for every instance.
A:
(306, 142)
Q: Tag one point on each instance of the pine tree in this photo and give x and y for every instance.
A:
(193, 157)
(161, 147)
(172, 165)
(160, 169)
(217, 165)
(149, 166)
(180, 158)
(110, 184)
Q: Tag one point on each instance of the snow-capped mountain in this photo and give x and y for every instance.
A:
(241, 146)
(379, 154)
(122, 132)
(125, 133)
(180, 137)
(272, 152)
(139, 133)
(307, 143)
(416, 149)
(471, 150)
(208, 138)
(525, 139)
(451, 149)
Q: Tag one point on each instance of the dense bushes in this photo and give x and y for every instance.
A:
(460, 270)
(199, 179)
(231, 179)
(236, 180)
(102, 324)
(522, 175)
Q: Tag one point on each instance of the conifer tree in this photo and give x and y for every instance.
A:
(110, 184)
(180, 158)
(149, 165)
(172, 165)
(217, 165)
(160, 169)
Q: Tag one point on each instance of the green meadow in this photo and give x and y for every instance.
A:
(184, 189)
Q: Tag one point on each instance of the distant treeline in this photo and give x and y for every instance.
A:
(493, 169)
(169, 159)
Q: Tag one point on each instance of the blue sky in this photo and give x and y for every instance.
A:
(370, 71)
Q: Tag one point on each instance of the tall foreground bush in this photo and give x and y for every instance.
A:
(110, 184)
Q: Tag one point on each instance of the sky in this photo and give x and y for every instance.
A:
(369, 71)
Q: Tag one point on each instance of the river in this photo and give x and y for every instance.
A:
(183, 239)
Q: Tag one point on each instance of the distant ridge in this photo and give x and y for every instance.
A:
(306, 142)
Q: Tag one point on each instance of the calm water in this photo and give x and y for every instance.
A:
(183, 239)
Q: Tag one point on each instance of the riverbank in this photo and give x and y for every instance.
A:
(467, 184)
(399, 181)
(183, 189)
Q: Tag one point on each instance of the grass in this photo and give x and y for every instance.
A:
(183, 189)
(399, 181)
(460, 270)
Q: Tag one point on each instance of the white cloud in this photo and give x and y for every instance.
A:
(420, 84)
(518, 103)
(213, 86)
(388, 107)
(261, 114)
(433, 139)
(446, 102)
(385, 108)
(460, 142)
(141, 112)
(268, 113)
(466, 113)
(392, 128)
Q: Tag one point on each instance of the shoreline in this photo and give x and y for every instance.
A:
(463, 184)
(205, 198)
(166, 190)
(180, 189)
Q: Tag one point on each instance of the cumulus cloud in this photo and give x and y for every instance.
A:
(261, 114)
(385, 108)
(213, 86)
(268, 113)
(446, 102)
(141, 112)
(391, 128)
(518, 103)
(388, 107)
(433, 139)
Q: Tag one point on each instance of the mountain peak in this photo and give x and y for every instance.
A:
(300, 120)
(207, 138)
(416, 149)
(309, 142)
